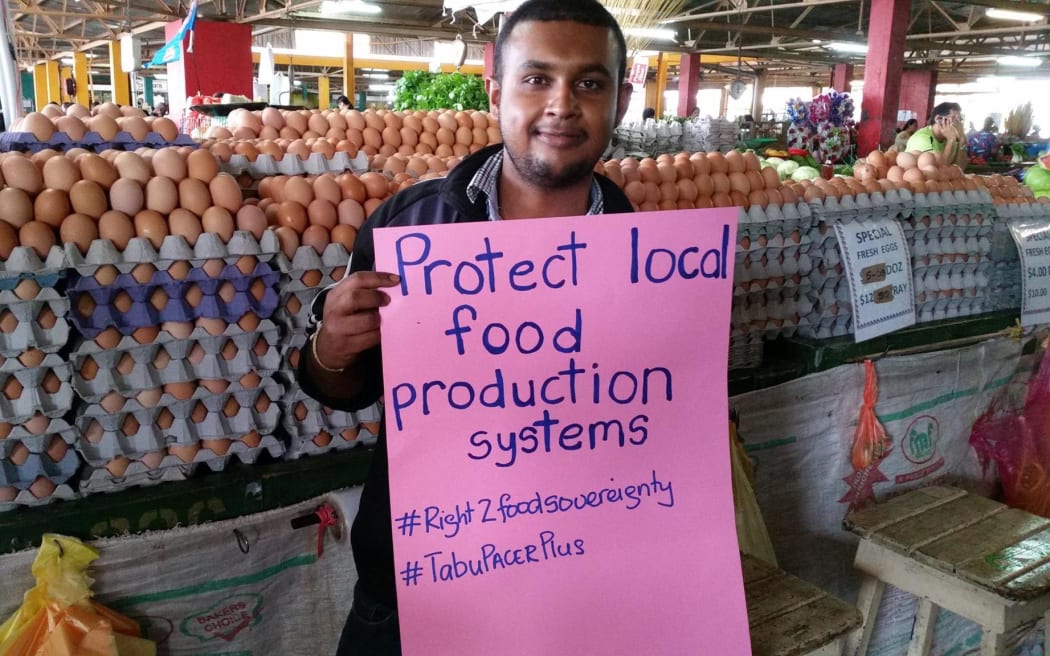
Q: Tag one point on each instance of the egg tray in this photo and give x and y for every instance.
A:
(332, 263)
(37, 442)
(29, 334)
(745, 352)
(1022, 210)
(174, 248)
(951, 309)
(147, 436)
(144, 374)
(244, 396)
(143, 314)
(828, 327)
(27, 142)
(33, 398)
(295, 322)
(266, 165)
(303, 417)
(24, 262)
(38, 464)
(25, 498)
(305, 445)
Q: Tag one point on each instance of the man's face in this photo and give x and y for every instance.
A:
(558, 100)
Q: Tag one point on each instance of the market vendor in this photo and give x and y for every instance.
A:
(944, 134)
(901, 142)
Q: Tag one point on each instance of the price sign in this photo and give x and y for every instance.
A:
(639, 70)
(878, 268)
(1033, 244)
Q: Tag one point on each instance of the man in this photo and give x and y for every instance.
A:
(901, 142)
(342, 102)
(944, 134)
(558, 92)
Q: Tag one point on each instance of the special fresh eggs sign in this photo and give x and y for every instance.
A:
(557, 430)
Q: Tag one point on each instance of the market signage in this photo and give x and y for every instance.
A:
(556, 411)
(639, 71)
(878, 267)
(1033, 245)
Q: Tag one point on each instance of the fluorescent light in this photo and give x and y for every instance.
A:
(1009, 14)
(376, 76)
(335, 7)
(650, 33)
(68, 61)
(381, 87)
(1014, 60)
(843, 46)
(994, 80)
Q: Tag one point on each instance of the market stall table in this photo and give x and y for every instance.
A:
(954, 550)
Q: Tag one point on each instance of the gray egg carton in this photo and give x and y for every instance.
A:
(174, 248)
(21, 477)
(37, 442)
(25, 498)
(24, 262)
(266, 165)
(331, 263)
(304, 418)
(28, 333)
(145, 376)
(34, 399)
(94, 480)
(145, 436)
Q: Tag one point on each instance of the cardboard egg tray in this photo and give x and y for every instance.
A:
(304, 419)
(228, 297)
(266, 165)
(27, 142)
(25, 263)
(29, 396)
(38, 442)
(174, 248)
(331, 264)
(28, 333)
(22, 476)
(745, 349)
(132, 367)
(132, 433)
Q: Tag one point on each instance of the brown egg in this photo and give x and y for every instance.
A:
(252, 219)
(288, 239)
(60, 173)
(135, 126)
(202, 165)
(352, 187)
(116, 227)
(299, 190)
(161, 195)
(185, 223)
(88, 197)
(97, 169)
(322, 213)
(131, 165)
(126, 196)
(151, 225)
(218, 220)
(376, 184)
(350, 212)
(194, 195)
(38, 236)
(292, 215)
(225, 192)
(170, 164)
(21, 173)
(317, 237)
(51, 207)
(8, 240)
(166, 128)
(345, 235)
(17, 208)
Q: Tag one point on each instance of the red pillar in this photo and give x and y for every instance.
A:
(488, 60)
(221, 61)
(887, 29)
(917, 90)
(688, 83)
(841, 76)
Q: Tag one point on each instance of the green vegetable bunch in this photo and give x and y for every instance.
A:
(424, 90)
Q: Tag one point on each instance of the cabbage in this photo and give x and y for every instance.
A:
(774, 161)
(1037, 178)
(785, 169)
(805, 173)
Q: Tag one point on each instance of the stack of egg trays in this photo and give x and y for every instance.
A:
(1005, 284)
(949, 236)
(129, 304)
(128, 423)
(266, 165)
(771, 282)
(311, 427)
(27, 142)
(34, 381)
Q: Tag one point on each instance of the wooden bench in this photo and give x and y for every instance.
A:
(789, 617)
(973, 556)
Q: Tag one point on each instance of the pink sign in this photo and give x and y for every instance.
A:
(557, 421)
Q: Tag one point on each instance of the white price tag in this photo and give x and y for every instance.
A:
(1033, 244)
(878, 267)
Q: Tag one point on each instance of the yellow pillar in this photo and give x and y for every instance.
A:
(40, 86)
(64, 73)
(661, 83)
(54, 84)
(83, 79)
(117, 77)
(348, 68)
(324, 94)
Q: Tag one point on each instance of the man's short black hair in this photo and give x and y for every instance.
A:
(648, 112)
(944, 109)
(585, 12)
(343, 100)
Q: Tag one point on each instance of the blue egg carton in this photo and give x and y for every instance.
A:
(27, 142)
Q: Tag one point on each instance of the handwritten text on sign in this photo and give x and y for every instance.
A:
(878, 267)
(1033, 245)
(556, 413)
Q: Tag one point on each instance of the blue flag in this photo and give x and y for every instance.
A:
(172, 50)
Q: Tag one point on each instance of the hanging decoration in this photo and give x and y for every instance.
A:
(822, 125)
(172, 50)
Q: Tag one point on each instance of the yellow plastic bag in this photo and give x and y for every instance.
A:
(57, 616)
(751, 532)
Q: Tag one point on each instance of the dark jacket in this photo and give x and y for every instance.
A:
(431, 202)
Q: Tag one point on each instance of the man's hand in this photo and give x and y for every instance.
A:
(350, 325)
